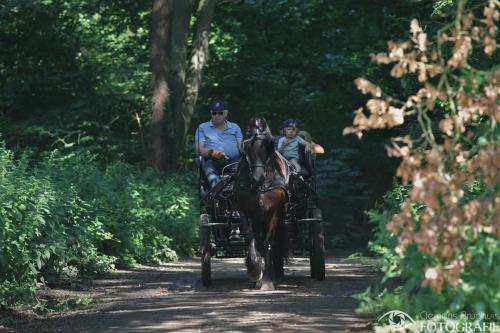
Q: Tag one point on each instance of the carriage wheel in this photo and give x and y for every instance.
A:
(312, 264)
(318, 252)
(312, 257)
(315, 213)
(206, 256)
(278, 266)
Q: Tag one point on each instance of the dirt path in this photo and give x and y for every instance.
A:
(171, 299)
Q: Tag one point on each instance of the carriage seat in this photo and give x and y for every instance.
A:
(306, 161)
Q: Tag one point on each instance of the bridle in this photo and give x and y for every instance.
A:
(258, 131)
(257, 134)
(253, 166)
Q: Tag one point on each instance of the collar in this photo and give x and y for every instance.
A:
(227, 123)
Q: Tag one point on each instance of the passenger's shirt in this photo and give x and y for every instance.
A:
(226, 140)
(291, 150)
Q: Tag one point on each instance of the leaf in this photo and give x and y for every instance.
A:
(415, 27)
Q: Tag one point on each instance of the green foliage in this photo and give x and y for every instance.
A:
(384, 243)
(74, 75)
(65, 304)
(69, 218)
(423, 237)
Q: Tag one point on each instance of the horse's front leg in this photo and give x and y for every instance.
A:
(254, 262)
(267, 282)
(269, 252)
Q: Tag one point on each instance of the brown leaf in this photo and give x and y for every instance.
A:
(461, 51)
(367, 87)
(422, 42)
(381, 58)
(395, 117)
(422, 72)
(398, 70)
(489, 45)
(446, 126)
(467, 21)
(377, 106)
(415, 27)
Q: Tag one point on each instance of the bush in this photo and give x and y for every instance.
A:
(477, 294)
(67, 217)
(441, 238)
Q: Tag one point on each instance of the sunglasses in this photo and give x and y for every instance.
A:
(220, 113)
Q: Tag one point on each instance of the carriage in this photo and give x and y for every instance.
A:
(220, 221)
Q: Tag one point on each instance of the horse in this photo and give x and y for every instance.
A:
(261, 194)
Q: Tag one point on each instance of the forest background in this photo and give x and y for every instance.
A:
(81, 191)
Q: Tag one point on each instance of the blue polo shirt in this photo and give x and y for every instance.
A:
(291, 151)
(225, 140)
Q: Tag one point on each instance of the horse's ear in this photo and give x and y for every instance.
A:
(250, 126)
(269, 136)
(269, 143)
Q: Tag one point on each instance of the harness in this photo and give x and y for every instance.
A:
(275, 169)
(279, 178)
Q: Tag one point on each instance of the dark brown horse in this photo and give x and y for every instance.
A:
(261, 195)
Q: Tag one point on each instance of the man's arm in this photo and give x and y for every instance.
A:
(201, 150)
(210, 153)
(199, 138)
(240, 146)
(239, 139)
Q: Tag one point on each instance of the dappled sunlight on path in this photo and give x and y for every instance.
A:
(171, 298)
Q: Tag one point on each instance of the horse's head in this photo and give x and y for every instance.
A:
(258, 148)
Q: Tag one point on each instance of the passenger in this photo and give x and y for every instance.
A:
(288, 145)
(218, 141)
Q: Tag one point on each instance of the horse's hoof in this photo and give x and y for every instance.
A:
(267, 286)
(254, 277)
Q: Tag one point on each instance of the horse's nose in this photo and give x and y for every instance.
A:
(258, 178)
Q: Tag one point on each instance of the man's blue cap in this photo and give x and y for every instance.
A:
(217, 105)
(290, 122)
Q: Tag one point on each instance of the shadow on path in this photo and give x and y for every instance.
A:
(171, 298)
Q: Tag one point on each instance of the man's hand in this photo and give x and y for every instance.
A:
(216, 154)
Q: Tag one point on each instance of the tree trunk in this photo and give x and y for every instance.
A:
(184, 108)
(162, 11)
(177, 72)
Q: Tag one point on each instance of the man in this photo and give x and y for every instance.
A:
(218, 141)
